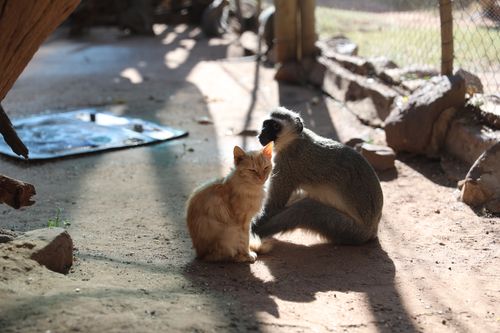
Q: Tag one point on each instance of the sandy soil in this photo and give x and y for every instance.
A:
(435, 267)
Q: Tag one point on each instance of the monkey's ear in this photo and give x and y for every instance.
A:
(267, 151)
(238, 154)
(299, 124)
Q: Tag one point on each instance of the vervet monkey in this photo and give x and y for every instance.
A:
(341, 198)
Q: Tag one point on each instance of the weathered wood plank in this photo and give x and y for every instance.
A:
(16, 193)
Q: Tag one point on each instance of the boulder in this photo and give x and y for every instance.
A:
(487, 107)
(413, 84)
(467, 138)
(473, 84)
(51, 247)
(347, 86)
(381, 95)
(380, 64)
(395, 76)
(355, 64)
(417, 125)
(380, 157)
(481, 186)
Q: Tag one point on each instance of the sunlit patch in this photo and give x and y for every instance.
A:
(158, 29)
(187, 43)
(217, 42)
(176, 57)
(132, 75)
(262, 272)
(169, 38)
(193, 33)
(180, 28)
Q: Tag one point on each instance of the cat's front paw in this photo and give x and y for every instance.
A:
(250, 256)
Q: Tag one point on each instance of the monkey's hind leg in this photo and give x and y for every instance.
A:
(312, 215)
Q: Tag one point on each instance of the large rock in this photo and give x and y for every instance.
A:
(487, 107)
(380, 64)
(418, 124)
(51, 247)
(381, 95)
(467, 138)
(355, 64)
(473, 83)
(347, 86)
(481, 186)
(396, 76)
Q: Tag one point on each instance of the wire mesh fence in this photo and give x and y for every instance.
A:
(477, 40)
(408, 32)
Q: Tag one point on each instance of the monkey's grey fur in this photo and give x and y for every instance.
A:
(342, 198)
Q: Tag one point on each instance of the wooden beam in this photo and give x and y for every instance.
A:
(307, 29)
(16, 193)
(10, 136)
(285, 30)
(446, 18)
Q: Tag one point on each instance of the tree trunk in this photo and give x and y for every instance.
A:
(24, 25)
(285, 30)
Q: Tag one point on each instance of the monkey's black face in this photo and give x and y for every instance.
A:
(269, 132)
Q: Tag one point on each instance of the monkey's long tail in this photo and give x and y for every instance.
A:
(261, 246)
(312, 215)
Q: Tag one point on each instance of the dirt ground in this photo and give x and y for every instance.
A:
(435, 267)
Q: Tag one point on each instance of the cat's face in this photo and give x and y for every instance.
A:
(253, 166)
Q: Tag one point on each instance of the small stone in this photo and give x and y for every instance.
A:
(380, 157)
(354, 142)
(51, 247)
(204, 121)
(77, 290)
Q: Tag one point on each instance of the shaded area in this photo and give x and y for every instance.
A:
(301, 272)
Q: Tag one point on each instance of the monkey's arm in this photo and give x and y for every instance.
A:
(280, 190)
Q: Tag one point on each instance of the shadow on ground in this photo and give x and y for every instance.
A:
(301, 272)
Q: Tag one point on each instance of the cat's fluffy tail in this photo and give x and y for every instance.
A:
(261, 246)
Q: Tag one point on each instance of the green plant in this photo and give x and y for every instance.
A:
(57, 221)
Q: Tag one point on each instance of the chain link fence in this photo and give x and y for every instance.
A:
(408, 32)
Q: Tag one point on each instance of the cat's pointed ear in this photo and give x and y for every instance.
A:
(267, 151)
(239, 154)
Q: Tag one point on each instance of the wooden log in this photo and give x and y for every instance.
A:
(307, 29)
(10, 135)
(446, 18)
(285, 30)
(16, 193)
(24, 25)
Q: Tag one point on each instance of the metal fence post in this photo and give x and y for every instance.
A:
(446, 18)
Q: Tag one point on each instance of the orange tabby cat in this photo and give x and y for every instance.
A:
(219, 213)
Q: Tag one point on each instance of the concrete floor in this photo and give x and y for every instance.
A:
(135, 269)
